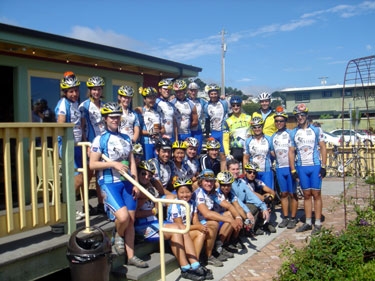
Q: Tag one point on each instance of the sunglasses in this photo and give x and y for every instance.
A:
(251, 172)
(236, 105)
(256, 127)
(301, 115)
(145, 173)
(279, 121)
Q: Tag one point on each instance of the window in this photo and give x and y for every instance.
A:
(348, 93)
(302, 97)
(326, 94)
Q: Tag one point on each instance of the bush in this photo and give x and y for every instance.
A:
(348, 255)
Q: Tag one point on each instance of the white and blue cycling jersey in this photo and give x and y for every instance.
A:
(164, 171)
(306, 141)
(117, 147)
(194, 166)
(199, 105)
(202, 197)
(184, 111)
(94, 120)
(72, 115)
(221, 197)
(216, 112)
(129, 120)
(184, 171)
(280, 143)
(259, 152)
(148, 119)
(179, 211)
(167, 113)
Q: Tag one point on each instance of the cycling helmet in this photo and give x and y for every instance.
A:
(207, 174)
(69, 81)
(138, 149)
(147, 165)
(165, 83)
(191, 141)
(211, 87)
(300, 108)
(126, 91)
(180, 144)
(264, 96)
(256, 121)
(225, 177)
(212, 143)
(95, 81)
(251, 167)
(148, 91)
(111, 109)
(164, 143)
(193, 86)
(184, 181)
(179, 85)
(235, 100)
(279, 112)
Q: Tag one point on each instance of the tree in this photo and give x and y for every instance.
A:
(250, 108)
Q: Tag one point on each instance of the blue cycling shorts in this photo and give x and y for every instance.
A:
(309, 177)
(285, 180)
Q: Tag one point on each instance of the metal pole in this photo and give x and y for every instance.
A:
(223, 50)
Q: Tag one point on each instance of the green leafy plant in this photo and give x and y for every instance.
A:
(348, 255)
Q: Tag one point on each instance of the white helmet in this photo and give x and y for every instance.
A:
(264, 96)
(193, 86)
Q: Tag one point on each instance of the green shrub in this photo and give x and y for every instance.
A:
(348, 255)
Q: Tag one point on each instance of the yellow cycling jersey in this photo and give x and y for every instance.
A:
(269, 127)
(235, 131)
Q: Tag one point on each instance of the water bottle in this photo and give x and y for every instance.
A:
(126, 163)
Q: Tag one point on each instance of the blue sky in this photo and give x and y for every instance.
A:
(271, 45)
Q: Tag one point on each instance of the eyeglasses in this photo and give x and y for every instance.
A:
(251, 172)
(236, 105)
(279, 121)
(301, 114)
(226, 184)
(256, 127)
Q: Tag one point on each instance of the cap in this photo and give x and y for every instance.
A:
(193, 86)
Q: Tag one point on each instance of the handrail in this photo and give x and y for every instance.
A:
(159, 201)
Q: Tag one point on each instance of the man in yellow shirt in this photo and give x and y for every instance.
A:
(236, 130)
(266, 113)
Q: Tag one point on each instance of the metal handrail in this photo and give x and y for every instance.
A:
(159, 201)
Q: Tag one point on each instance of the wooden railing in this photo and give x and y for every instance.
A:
(21, 208)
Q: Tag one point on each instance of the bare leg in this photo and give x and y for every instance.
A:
(308, 203)
(198, 239)
(213, 228)
(293, 205)
(285, 204)
(318, 205)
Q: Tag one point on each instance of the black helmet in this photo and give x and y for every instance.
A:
(164, 143)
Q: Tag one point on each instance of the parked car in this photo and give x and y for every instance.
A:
(332, 139)
(353, 136)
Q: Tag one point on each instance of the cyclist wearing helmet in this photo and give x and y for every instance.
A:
(266, 113)
(130, 124)
(210, 159)
(216, 111)
(197, 131)
(225, 180)
(186, 112)
(206, 198)
(236, 130)
(191, 157)
(150, 121)
(165, 168)
(256, 210)
(195, 238)
(67, 111)
(118, 193)
(92, 125)
(280, 143)
(257, 150)
(166, 109)
(178, 152)
(307, 143)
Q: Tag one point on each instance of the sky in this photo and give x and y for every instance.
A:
(270, 45)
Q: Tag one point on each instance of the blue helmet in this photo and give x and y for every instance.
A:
(235, 100)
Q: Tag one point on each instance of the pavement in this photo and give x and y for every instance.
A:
(261, 258)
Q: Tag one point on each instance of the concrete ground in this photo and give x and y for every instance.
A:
(260, 260)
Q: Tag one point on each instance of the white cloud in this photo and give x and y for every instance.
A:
(106, 37)
(368, 47)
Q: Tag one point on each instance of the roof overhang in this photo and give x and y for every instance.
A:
(22, 42)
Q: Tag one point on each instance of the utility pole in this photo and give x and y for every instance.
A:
(223, 50)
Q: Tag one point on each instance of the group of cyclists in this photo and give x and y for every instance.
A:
(229, 183)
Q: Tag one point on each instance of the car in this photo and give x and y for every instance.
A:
(352, 136)
(332, 139)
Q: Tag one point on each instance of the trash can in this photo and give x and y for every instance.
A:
(89, 254)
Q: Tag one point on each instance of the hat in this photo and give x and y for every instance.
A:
(193, 86)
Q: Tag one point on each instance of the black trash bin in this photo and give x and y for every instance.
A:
(89, 255)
